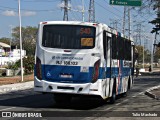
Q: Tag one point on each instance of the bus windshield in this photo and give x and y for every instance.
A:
(68, 36)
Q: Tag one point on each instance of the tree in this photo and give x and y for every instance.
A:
(157, 54)
(28, 38)
(5, 40)
(148, 8)
(147, 54)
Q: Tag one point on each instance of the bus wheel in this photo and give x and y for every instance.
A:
(62, 98)
(129, 84)
(113, 97)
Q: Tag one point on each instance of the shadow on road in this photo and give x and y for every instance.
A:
(46, 101)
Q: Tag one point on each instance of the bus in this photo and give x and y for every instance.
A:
(82, 58)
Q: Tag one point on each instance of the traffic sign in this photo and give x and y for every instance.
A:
(126, 2)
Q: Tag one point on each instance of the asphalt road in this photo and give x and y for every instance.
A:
(135, 104)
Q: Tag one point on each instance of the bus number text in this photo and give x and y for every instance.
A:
(66, 63)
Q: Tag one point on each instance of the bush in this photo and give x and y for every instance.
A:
(28, 64)
(12, 65)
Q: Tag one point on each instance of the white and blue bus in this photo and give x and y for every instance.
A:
(82, 58)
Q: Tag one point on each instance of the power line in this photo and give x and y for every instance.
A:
(107, 9)
(113, 7)
(91, 11)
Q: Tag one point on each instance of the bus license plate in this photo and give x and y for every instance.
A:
(66, 76)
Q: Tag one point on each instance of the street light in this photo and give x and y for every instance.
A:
(20, 39)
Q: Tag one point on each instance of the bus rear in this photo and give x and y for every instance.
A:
(67, 58)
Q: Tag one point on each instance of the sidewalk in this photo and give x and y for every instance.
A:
(154, 92)
(16, 87)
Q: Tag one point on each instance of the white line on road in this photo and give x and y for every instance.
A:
(7, 108)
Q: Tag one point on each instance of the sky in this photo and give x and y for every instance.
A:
(35, 11)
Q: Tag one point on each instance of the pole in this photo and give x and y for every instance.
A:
(143, 53)
(152, 56)
(129, 23)
(83, 10)
(124, 20)
(65, 17)
(10, 43)
(20, 38)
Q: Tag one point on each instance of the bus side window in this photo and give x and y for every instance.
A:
(128, 50)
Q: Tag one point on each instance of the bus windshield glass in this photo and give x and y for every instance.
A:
(68, 36)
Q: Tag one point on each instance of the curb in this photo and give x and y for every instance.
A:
(16, 87)
(150, 94)
(150, 73)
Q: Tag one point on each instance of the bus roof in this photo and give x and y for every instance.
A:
(69, 22)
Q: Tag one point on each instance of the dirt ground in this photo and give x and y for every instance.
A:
(15, 79)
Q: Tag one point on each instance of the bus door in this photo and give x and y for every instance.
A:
(107, 57)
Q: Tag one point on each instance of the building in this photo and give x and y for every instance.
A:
(8, 55)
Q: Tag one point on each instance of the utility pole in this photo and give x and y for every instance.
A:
(91, 11)
(66, 8)
(126, 22)
(83, 10)
(139, 31)
(11, 27)
(20, 37)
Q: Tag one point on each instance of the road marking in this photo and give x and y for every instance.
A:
(109, 108)
(141, 93)
(122, 102)
(118, 104)
(125, 100)
(134, 96)
(7, 108)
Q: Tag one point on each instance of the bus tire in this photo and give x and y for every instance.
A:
(129, 83)
(62, 98)
(113, 97)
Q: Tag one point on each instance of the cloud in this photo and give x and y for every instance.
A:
(28, 13)
(9, 13)
(13, 13)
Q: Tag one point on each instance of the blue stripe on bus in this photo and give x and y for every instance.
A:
(52, 73)
(55, 73)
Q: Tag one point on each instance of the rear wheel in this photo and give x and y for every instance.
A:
(62, 98)
(129, 84)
